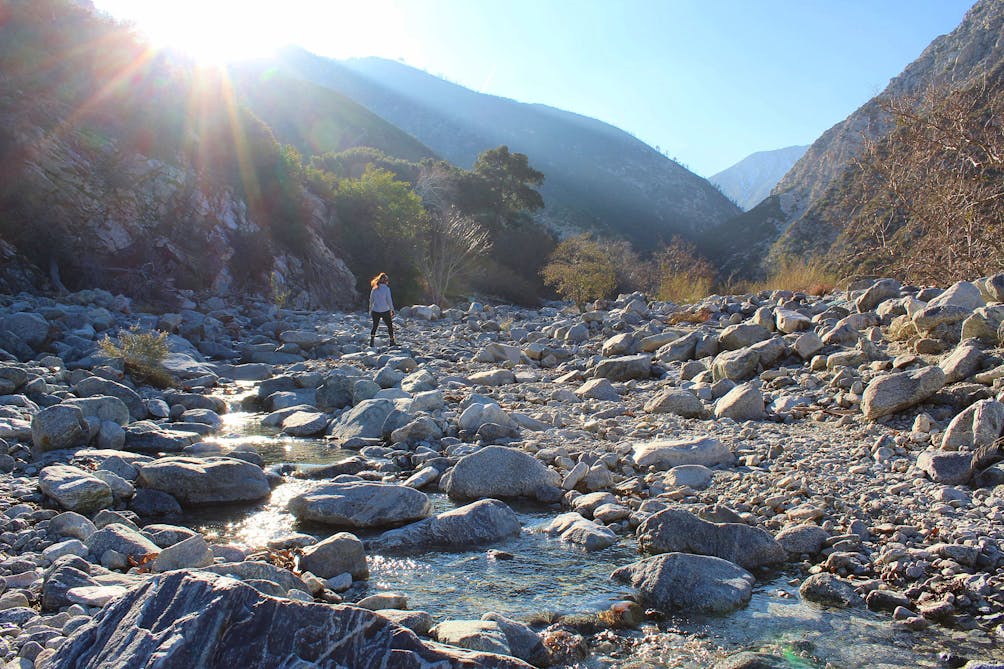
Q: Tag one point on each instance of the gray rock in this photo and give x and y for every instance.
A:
(501, 472)
(977, 425)
(624, 368)
(57, 427)
(948, 467)
(97, 386)
(364, 420)
(29, 327)
(360, 505)
(962, 363)
(575, 529)
(148, 437)
(744, 402)
(678, 402)
(789, 320)
(737, 365)
(483, 522)
(523, 642)
(202, 621)
(480, 635)
(962, 294)
(598, 389)
(102, 407)
(494, 377)
(674, 530)
(692, 583)
(739, 336)
(808, 344)
(878, 292)
(71, 524)
(894, 392)
(201, 481)
(679, 350)
(121, 539)
(75, 489)
(167, 535)
(624, 343)
(191, 553)
(825, 588)
(667, 453)
(697, 477)
(341, 553)
(304, 424)
(802, 539)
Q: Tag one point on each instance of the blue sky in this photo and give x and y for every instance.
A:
(706, 81)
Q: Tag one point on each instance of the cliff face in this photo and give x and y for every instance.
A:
(805, 217)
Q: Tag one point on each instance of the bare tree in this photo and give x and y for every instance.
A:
(933, 205)
(453, 242)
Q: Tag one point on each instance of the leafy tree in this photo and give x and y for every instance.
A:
(501, 186)
(580, 270)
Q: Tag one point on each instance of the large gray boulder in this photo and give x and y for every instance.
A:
(678, 402)
(963, 362)
(29, 327)
(691, 583)
(878, 292)
(668, 453)
(961, 294)
(203, 621)
(483, 522)
(121, 539)
(502, 473)
(739, 336)
(341, 553)
(744, 402)
(75, 489)
(947, 467)
(575, 529)
(103, 407)
(825, 588)
(363, 420)
(56, 427)
(362, 504)
(890, 393)
(625, 367)
(674, 530)
(737, 365)
(979, 424)
(95, 385)
(201, 481)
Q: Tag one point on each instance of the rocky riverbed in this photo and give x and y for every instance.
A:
(838, 452)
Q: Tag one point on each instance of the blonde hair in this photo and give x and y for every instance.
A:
(378, 278)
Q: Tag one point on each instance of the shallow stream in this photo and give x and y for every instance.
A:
(535, 577)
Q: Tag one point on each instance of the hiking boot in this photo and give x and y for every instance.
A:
(371, 342)
(393, 343)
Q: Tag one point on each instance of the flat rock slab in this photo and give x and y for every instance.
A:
(674, 530)
(361, 505)
(201, 481)
(201, 621)
(691, 583)
(502, 473)
(667, 453)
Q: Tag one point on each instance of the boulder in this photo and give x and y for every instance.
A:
(57, 427)
(788, 321)
(101, 407)
(803, 539)
(341, 553)
(190, 553)
(95, 385)
(680, 349)
(202, 481)
(667, 453)
(739, 336)
(947, 467)
(894, 392)
(598, 389)
(481, 635)
(364, 420)
(304, 424)
(674, 530)
(697, 477)
(575, 529)
(737, 365)
(690, 583)
(29, 327)
(624, 343)
(625, 367)
(878, 292)
(962, 294)
(201, 621)
(962, 363)
(825, 588)
(483, 522)
(122, 539)
(75, 489)
(977, 425)
(678, 402)
(360, 505)
(744, 402)
(502, 473)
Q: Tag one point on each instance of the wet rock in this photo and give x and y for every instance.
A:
(824, 588)
(691, 583)
(341, 553)
(483, 522)
(360, 504)
(575, 529)
(675, 530)
(161, 615)
(502, 473)
(481, 635)
(749, 660)
(200, 481)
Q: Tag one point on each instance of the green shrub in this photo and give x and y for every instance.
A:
(143, 354)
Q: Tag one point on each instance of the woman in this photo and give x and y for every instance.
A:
(381, 306)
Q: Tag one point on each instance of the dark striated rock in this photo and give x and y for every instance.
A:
(236, 626)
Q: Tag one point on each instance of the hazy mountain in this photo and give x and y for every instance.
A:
(751, 179)
(597, 176)
(802, 217)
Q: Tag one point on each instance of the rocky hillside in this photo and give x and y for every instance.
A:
(803, 218)
(597, 177)
(752, 179)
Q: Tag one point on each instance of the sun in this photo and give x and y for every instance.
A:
(217, 32)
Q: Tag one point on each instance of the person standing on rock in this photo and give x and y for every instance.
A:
(381, 306)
